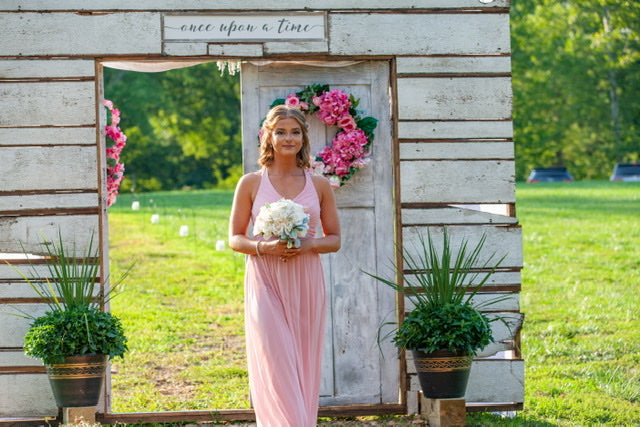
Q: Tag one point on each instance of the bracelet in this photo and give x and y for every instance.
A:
(258, 249)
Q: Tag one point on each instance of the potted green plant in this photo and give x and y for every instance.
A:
(75, 337)
(445, 329)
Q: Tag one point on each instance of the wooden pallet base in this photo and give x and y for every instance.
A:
(443, 412)
(86, 414)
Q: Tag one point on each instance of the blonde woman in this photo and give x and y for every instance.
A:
(284, 287)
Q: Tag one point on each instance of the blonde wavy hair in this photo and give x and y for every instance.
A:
(277, 113)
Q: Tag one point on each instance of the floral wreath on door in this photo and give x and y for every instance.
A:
(350, 149)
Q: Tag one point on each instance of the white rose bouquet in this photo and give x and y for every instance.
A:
(285, 219)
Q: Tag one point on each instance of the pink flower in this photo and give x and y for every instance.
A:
(115, 117)
(333, 105)
(115, 170)
(292, 101)
(347, 123)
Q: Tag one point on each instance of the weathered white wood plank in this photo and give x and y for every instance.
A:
(354, 370)
(14, 327)
(419, 34)
(17, 289)
(296, 47)
(26, 396)
(511, 301)
(27, 34)
(173, 5)
(454, 98)
(17, 358)
(185, 49)
(8, 272)
(48, 168)
(49, 201)
(500, 278)
(465, 64)
(453, 215)
(238, 49)
(457, 150)
(457, 181)
(54, 103)
(499, 240)
(496, 381)
(31, 230)
(455, 130)
(47, 136)
(35, 68)
(23, 289)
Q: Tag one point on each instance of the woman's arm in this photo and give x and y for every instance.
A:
(241, 215)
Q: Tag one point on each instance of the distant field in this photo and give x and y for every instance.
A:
(581, 340)
(182, 306)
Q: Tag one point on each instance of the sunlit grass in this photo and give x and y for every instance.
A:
(581, 338)
(182, 306)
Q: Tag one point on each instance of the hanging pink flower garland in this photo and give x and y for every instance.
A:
(115, 143)
(350, 149)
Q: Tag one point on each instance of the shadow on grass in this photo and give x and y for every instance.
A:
(491, 420)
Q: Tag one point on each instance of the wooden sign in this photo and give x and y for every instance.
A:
(245, 27)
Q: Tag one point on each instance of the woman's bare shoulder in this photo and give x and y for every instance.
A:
(248, 184)
(320, 182)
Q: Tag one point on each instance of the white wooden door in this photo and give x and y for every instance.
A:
(354, 369)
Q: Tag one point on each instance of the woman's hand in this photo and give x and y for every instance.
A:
(280, 249)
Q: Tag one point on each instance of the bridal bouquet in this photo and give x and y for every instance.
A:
(284, 219)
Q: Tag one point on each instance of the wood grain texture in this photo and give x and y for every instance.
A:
(487, 181)
(173, 5)
(64, 33)
(52, 103)
(455, 98)
(419, 34)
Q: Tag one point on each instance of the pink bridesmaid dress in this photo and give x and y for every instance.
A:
(284, 324)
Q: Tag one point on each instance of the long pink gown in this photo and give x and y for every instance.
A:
(284, 324)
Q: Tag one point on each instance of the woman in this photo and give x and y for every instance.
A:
(284, 287)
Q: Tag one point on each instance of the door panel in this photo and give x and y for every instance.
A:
(354, 369)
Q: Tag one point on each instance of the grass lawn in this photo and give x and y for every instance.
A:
(581, 340)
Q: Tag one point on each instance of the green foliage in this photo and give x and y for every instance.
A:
(441, 286)
(183, 126)
(367, 125)
(75, 331)
(74, 277)
(575, 76)
(74, 323)
(454, 327)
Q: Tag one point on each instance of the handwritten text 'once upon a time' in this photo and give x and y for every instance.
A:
(245, 28)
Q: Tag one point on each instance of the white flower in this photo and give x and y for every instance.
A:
(334, 181)
(284, 219)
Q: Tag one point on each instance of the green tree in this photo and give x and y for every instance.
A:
(183, 126)
(576, 69)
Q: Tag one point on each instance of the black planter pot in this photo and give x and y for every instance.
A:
(443, 374)
(78, 381)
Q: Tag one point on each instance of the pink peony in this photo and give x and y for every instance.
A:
(333, 105)
(347, 123)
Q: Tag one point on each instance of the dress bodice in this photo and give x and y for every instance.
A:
(308, 198)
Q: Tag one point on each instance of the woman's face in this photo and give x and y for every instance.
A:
(286, 137)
